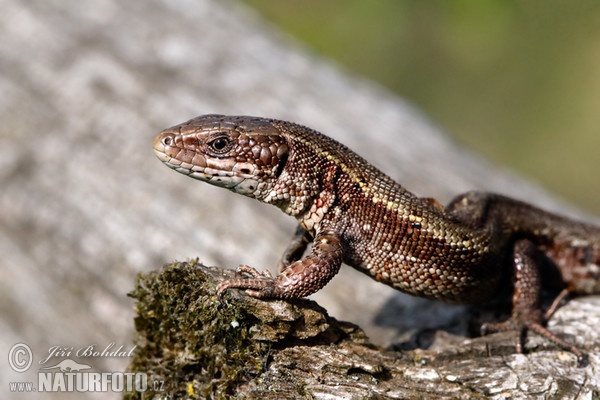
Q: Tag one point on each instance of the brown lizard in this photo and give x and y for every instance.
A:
(355, 214)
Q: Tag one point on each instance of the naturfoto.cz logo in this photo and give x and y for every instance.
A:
(68, 375)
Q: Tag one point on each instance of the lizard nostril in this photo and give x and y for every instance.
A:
(162, 140)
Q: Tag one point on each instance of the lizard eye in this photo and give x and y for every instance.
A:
(167, 141)
(220, 144)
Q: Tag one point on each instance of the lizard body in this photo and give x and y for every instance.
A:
(355, 214)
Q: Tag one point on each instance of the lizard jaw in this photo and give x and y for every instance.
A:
(243, 183)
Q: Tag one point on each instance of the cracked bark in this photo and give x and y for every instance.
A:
(200, 346)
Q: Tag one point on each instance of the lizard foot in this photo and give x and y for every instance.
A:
(526, 313)
(260, 284)
(530, 321)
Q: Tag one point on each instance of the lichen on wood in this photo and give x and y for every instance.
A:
(201, 346)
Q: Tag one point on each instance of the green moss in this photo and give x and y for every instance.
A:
(186, 338)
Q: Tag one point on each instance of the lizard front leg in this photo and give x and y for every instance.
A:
(526, 312)
(301, 278)
(295, 249)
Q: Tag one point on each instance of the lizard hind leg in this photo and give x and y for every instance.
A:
(526, 313)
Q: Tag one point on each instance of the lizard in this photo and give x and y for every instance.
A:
(353, 213)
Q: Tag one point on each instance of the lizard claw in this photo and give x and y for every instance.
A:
(259, 285)
(253, 272)
(530, 322)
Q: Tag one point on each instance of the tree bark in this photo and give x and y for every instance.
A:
(201, 346)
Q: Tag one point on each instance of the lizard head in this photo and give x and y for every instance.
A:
(243, 154)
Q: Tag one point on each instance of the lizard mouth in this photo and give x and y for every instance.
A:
(237, 177)
(201, 172)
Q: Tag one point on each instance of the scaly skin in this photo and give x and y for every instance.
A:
(355, 214)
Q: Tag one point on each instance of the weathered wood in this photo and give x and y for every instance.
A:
(202, 346)
(85, 205)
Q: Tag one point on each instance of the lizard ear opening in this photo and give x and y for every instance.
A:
(281, 165)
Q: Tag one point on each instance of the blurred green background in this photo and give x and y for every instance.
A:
(516, 81)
